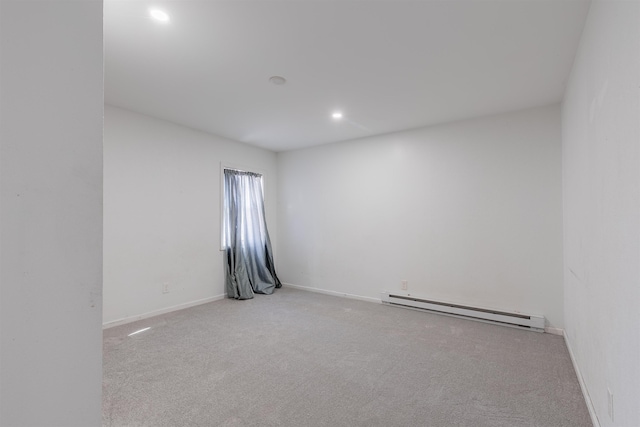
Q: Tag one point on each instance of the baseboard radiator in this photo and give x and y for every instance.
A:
(517, 320)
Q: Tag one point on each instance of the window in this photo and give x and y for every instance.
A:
(246, 194)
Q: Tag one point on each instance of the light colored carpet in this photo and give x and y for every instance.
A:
(298, 358)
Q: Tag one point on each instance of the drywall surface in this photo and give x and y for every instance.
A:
(601, 168)
(162, 212)
(468, 211)
(51, 106)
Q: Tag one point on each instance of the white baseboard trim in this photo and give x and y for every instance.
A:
(583, 386)
(554, 331)
(333, 293)
(130, 319)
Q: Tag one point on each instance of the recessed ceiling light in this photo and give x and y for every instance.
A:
(337, 115)
(277, 80)
(159, 15)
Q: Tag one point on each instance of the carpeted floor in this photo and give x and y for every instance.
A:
(298, 358)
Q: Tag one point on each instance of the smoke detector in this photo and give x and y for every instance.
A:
(277, 80)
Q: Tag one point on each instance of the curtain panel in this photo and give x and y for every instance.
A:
(249, 262)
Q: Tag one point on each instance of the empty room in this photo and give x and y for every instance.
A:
(320, 213)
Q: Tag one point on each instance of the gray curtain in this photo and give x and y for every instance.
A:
(249, 258)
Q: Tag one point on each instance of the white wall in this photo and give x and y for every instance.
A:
(601, 168)
(162, 212)
(468, 211)
(51, 107)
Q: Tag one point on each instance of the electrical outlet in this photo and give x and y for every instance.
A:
(610, 401)
(165, 288)
(404, 285)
